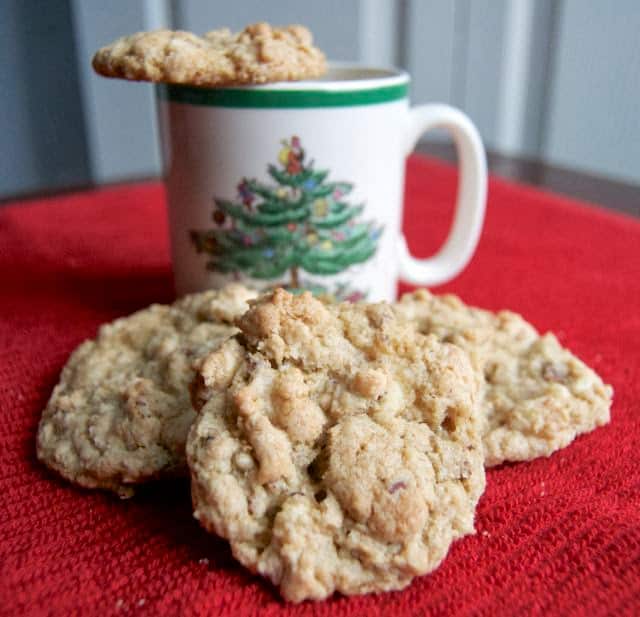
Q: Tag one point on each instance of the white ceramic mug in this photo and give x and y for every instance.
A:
(300, 184)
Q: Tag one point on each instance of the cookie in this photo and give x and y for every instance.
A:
(536, 395)
(258, 54)
(121, 412)
(336, 449)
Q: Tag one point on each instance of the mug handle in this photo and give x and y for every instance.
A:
(463, 237)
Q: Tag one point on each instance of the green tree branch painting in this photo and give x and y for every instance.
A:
(302, 222)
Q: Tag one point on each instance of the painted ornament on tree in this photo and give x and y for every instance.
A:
(320, 207)
(303, 223)
(291, 156)
(221, 220)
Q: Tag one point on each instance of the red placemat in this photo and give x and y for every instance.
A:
(554, 536)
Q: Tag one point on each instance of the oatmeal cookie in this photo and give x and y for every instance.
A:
(121, 412)
(258, 54)
(536, 395)
(336, 449)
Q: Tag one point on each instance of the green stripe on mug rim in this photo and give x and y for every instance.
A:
(263, 98)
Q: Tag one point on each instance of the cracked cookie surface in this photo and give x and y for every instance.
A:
(258, 54)
(536, 395)
(335, 449)
(121, 411)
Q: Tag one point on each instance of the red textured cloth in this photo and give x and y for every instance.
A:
(555, 536)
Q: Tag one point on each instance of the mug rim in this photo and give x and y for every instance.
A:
(341, 76)
(346, 84)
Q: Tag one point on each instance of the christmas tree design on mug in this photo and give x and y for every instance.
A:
(304, 222)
